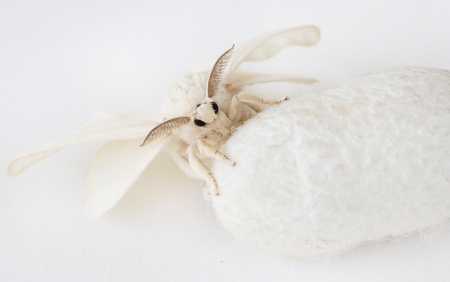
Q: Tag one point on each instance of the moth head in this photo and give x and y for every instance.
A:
(206, 112)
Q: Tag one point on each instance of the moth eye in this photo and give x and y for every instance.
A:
(199, 122)
(215, 107)
(198, 105)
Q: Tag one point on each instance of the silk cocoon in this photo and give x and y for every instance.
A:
(326, 172)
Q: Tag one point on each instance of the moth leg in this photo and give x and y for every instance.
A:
(233, 108)
(203, 172)
(251, 99)
(252, 106)
(177, 151)
(184, 165)
(212, 152)
(237, 112)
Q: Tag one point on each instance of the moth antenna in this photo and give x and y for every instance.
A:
(165, 128)
(216, 73)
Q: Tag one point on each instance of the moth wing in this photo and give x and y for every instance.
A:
(240, 79)
(102, 127)
(268, 44)
(263, 47)
(115, 169)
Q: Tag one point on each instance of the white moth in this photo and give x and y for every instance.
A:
(196, 119)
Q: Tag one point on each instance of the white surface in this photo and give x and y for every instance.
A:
(62, 62)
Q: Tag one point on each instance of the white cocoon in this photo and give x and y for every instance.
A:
(324, 173)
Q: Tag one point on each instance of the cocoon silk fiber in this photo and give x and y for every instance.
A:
(324, 173)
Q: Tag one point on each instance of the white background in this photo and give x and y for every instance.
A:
(63, 61)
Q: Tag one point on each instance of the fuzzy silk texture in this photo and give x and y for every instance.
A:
(321, 174)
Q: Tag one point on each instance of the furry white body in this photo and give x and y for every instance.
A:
(326, 172)
(182, 100)
(193, 145)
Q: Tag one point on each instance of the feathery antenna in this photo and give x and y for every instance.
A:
(165, 128)
(216, 73)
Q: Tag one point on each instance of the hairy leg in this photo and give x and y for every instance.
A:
(212, 152)
(203, 171)
(233, 108)
(239, 111)
(177, 151)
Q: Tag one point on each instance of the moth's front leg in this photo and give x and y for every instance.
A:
(203, 171)
(212, 152)
(235, 108)
(251, 99)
